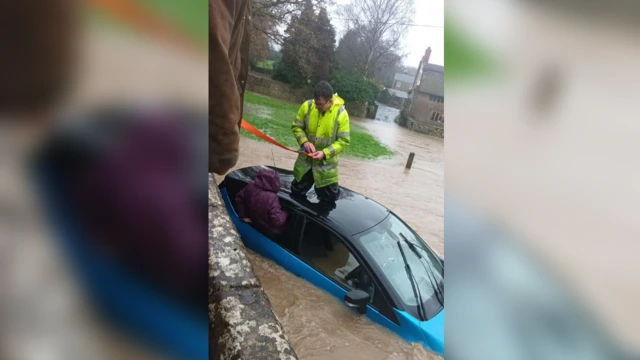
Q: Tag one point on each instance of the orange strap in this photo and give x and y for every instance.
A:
(250, 128)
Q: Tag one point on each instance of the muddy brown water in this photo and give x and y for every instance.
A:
(318, 325)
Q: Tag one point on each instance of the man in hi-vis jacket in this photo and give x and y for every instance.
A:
(322, 130)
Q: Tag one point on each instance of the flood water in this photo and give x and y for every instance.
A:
(386, 113)
(318, 325)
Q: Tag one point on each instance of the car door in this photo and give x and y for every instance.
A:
(325, 259)
(268, 245)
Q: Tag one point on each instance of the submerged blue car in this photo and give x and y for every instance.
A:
(357, 250)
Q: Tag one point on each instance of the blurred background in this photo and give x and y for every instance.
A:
(541, 177)
(104, 109)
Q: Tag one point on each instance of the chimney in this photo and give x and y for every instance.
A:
(427, 55)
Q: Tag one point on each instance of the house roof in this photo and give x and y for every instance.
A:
(434, 67)
(404, 78)
(398, 93)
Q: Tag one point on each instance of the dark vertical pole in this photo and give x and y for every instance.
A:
(410, 160)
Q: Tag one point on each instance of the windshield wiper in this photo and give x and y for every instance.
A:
(414, 286)
(434, 282)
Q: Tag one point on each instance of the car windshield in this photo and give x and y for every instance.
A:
(426, 271)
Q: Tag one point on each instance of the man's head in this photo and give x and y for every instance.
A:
(323, 96)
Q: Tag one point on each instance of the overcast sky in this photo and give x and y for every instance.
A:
(418, 38)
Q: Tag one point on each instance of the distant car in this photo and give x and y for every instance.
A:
(357, 250)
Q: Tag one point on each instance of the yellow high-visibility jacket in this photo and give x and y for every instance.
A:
(328, 132)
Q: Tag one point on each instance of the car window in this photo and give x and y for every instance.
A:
(326, 252)
(389, 244)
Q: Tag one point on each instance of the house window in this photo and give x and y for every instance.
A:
(435, 98)
(437, 117)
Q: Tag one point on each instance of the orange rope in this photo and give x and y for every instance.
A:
(250, 128)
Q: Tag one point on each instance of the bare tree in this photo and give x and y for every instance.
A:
(379, 26)
(271, 17)
(386, 67)
(260, 42)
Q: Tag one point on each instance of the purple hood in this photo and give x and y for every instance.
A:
(268, 180)
(259, 202)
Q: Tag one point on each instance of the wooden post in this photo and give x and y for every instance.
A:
(410, 160)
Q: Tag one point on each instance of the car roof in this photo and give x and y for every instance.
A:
(353, 212)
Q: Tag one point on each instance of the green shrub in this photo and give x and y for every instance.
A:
(353, 87)
(265, 64)
(262, 70)
(282, 72)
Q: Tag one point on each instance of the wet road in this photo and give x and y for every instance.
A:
(319, 325)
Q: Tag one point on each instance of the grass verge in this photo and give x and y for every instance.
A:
(274, 118)
(266, 64)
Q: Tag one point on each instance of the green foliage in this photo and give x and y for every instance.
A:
(282, 72)
(308, 48)
(265, 64)
(351, 86)
(263, 67)
(261, 70)
(297, 47)
(323, 46)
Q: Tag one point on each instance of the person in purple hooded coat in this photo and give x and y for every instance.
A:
(258, 203)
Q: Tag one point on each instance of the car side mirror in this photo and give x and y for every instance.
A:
(357, 299)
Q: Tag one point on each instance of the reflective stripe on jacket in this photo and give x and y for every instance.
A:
(328, 132)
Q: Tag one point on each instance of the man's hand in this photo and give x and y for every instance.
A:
(318, 155)
(247, 220)
(309, 148)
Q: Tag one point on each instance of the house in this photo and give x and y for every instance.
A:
(426, 99)
(392, 97)
(402, 82)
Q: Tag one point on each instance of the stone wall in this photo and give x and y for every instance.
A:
(372, 111)
(242, 324)
(263, 84)
(355, 108)
(427, 127)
